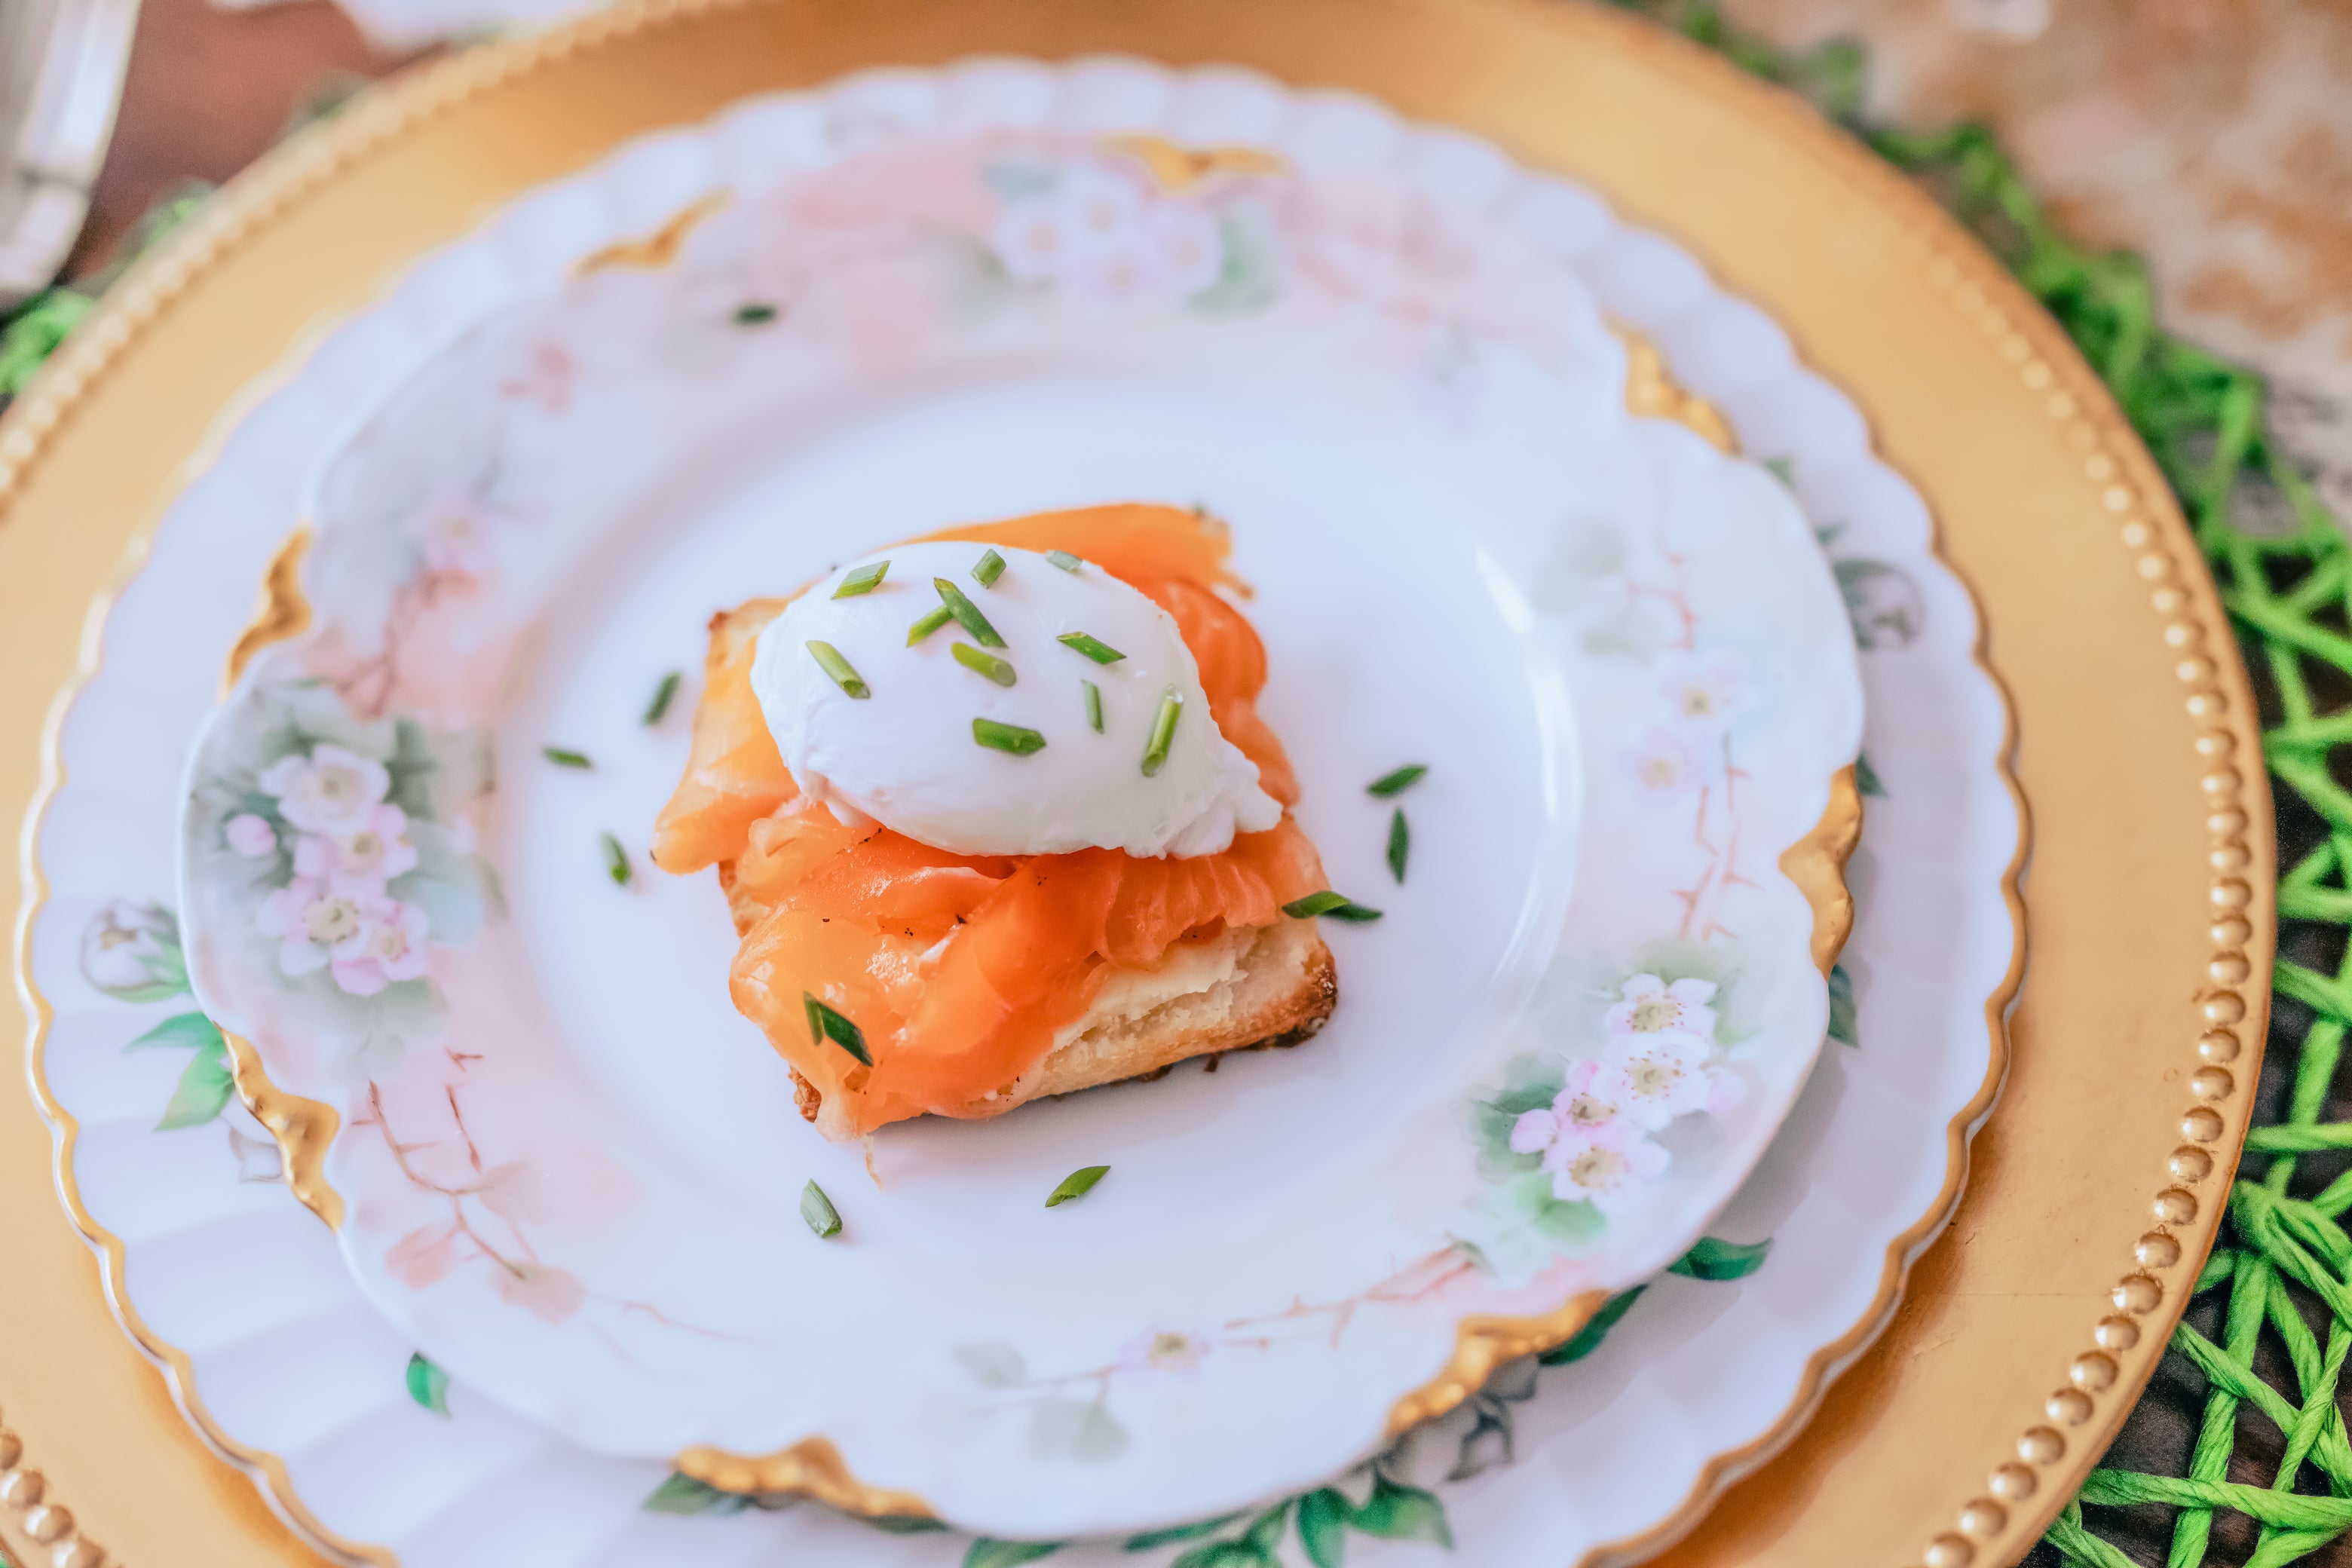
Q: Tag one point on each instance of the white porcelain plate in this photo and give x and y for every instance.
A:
(572, 1175)
(571, 1172)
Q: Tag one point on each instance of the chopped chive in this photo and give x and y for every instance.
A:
(990, 567)
(616, 861)
(1326, 902)
(986, 664)
(1400, 843)
(755, 314)
(828, 659)
(1100, 652)
(662, 696)
(1164, 731)
(1010, 738)
(865, 580)
(563, 759)
(1397, 783)
(824, 1024)
(818, 1211)
(1064, 560)
(966, 614)
(1094, 706)
(1077, 1184)
(929, 623)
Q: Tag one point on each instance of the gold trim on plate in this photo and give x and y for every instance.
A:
(809, 1468)
(304, 1129)
(652, 252)
(285, 608)
(1482, 1344)
(1816, 863)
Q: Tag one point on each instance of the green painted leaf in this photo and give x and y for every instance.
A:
(684, 1494)
(1783, 470)
(1151, 1538)
(987, 1553)
(428, 1385)
(1264, 1531)
(1587, 1339)
(1841, 1026)
(1225, 1554)
(902, 1523)
(1398, 1512)
(1714, 1258)
(180, 1029)
(1323, 1527)
(1865, 778)
(205, 1088)
(1076, 1185)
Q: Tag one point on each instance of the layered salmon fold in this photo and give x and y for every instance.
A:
(960, 970)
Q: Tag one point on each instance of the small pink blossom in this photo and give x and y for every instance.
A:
(422, 1256)
(1704, 694)
(391, 947)
(1185, 249)
(1666, 766)
(314, 925)
(251, 836)
(1586, 1101)
(1606, 1166)
(362, 861)
(550, 1294)
(1648, 1005)
(1171, 1353)
(329, 791)
(1655, 1078)
(454, 530)
(545, 377)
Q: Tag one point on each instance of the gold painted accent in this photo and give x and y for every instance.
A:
(1483, 1344)
(1816, 863)
(303, 1128)
(809, 1468)
(1558, 85)
(1179, 169)
(1653, 392)
(285, 609)
(652, 252)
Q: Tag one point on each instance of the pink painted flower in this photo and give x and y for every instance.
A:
(1588, 1100)
(1704, 693)
(1171, 1353)
(454, 529)
(313, 924)
(545, 377)
(1606, 1167)
(1184, 250)
(391, 947)
(251, 836)
(362, 861)
(1665, 765)
(329, 791)
(550, 1294)
(1648, 1005)
(1655, 1078)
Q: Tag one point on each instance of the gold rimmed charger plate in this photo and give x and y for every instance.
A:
(2098, 1180)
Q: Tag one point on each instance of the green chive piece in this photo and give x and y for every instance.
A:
(1164, 731)
(1094, 706)
(986, 664)
(929, 623)
(1400, 844)
(824, 1024)
(755, 314)
(1010, 738)
(662, 696)
(1077, 1184)
(990, 567)
(818, 1211)
(563, 759)
(828, 659)
(1326, 902)
(865, 580)
(616, 861)
(1100, 652)
(1064, 560)
(966, 614)
(1397, 783)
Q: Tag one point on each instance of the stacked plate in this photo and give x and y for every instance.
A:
(1524, 498)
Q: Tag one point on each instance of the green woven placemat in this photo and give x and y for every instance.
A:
(2238, 1453)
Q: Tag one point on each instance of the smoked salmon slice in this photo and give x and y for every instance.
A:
(959, 971)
